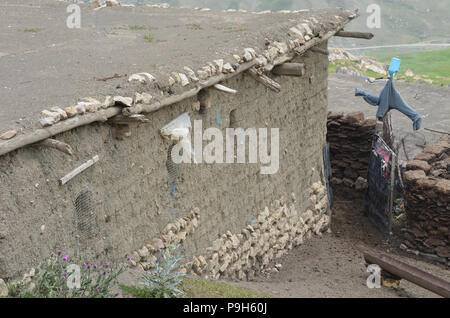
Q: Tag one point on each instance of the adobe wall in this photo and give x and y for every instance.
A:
(427, 201)
(132, 200)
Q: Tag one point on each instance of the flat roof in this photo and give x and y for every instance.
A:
(46, 64)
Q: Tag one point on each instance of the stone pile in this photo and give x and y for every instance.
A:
(362, 63)
(274, 232)
(427, 197)
(350, 137)
(173, 234)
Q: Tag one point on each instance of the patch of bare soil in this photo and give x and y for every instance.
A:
(333, 265)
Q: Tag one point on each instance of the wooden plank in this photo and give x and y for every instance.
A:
(290, 69)
(320, 51)
(125, 120)
(78, 170)
(356, 35)
(66, 125)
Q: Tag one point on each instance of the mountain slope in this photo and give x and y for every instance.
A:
(402, 21)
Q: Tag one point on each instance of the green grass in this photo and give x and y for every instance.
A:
(135, 27)
(33, 30)
(200, 288)
(435, 64)
(137, 292)
(148, 37)
(194, 26)
(138, 27)
(431, 65)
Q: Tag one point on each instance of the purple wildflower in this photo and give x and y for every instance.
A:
(84, 264)
(95, 266)
(59, 252)
(66, 257)
(107, 265)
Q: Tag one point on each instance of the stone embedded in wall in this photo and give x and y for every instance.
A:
(126, 101)
(350, 137)
(112, 3)
(8, 135)
(274, 232)
(143, 77)
(173, 234)
(427, 200)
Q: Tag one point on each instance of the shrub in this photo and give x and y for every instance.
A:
(51, 280)
(164, 279)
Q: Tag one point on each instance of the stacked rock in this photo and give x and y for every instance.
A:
(427, 197)
(173, 234)
(350, 137)
(272, 234)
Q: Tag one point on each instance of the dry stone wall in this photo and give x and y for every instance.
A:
(427, 198)
(350, 137)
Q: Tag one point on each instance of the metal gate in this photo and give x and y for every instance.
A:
(380, 178)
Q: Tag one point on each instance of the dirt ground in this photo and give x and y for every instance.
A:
(333, 265)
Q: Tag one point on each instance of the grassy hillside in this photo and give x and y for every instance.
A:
(434, 63)
(429, 67)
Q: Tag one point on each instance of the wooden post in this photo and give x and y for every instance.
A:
(265, 80)
(66, 125)
(320, 51)
(290, 69)
(356, 35)
(125, 120)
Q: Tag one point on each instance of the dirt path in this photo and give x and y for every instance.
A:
(333, 266)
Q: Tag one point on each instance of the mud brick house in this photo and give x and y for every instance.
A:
(83, 166)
